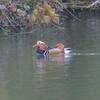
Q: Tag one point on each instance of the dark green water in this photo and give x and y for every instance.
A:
(26, 76)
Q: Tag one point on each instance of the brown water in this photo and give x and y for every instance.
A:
(26, 76)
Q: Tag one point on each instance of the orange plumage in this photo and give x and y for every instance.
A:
(60, 46)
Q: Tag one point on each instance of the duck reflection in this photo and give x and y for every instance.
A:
(59, 60)
(42, 61)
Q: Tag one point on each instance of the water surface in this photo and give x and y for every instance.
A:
(26, 76)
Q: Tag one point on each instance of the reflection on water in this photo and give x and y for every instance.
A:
(42, 61)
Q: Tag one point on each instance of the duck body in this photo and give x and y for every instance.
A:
(44, 49)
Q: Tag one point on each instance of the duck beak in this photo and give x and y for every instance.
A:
(35, 45)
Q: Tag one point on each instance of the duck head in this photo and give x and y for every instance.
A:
(41, 45)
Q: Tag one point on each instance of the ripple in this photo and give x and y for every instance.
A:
(85, 54)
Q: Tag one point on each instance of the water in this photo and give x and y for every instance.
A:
(26, 76)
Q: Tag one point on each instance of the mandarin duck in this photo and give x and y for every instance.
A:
(44, 49)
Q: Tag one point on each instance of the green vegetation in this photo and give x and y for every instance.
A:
(18, 16)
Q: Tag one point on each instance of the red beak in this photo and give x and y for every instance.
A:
(35, 45)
